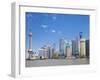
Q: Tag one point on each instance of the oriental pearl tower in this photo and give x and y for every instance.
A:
(30, 39)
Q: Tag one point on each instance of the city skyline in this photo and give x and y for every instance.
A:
(48, 28)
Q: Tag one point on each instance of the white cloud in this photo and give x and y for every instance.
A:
(44, 26)
(53, 31)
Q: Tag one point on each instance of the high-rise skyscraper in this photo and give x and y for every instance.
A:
(45, 51)
(75, 47)
(62, 47)
(87, 48)
(51, 51)
(68, 48)
(82, 46)
(41, 53)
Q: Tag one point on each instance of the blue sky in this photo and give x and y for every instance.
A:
(48, 28)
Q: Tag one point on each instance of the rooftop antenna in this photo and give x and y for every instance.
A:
(81, 35)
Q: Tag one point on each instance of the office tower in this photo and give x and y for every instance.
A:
(62, 47)
(53, 49)
(46, 52)
(41, 53)
(82, 46)
(87, 48)
(49, 52)
(75, 47)
(68, 49)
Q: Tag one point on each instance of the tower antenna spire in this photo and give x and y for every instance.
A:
(30, 23)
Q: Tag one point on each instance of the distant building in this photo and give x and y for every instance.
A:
(41, 53)
(32, 55)
(82, 46)
(51, 51)
(68, 48)
(87, 48)
(62, 47)
(35, 56)
(75, 47)
(46, 52)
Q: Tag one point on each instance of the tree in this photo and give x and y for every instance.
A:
(55, 56)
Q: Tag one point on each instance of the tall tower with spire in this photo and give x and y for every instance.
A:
(30, 39)
(82, 46)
